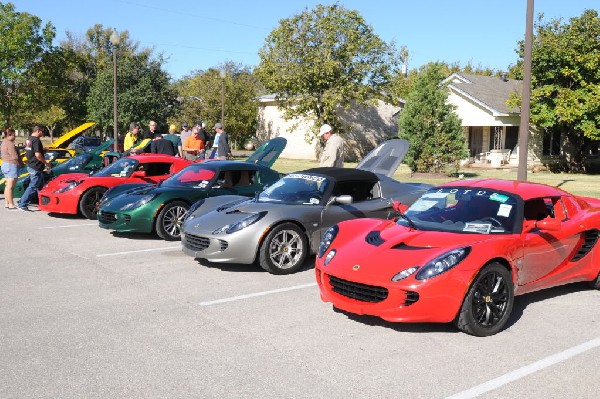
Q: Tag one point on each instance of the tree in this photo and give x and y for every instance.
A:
(50, 117)
(144, 91)
(432, 128)
(200, 98)
(325, 58)
(565, 92)
(23, 43)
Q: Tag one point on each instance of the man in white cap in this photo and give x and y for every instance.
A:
(333, 153)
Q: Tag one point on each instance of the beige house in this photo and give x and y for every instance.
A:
(491, 127)
(364, 128)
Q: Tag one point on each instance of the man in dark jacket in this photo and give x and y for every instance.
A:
(152, 128)
(161, 146)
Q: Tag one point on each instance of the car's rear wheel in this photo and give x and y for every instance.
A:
(169, 220)
(88, 204)
(488, 303)
(284, 250)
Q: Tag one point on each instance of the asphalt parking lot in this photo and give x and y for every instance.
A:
(86, 313)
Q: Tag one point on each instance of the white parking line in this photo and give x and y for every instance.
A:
(138, 251)
(247, 296)
(68, 225)
(526, 370)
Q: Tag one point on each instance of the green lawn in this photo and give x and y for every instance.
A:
(586, 185)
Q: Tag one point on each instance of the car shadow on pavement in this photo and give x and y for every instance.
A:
(64, 216)
(309, 263)
(520, 304)
(139, 236)
(522, 301)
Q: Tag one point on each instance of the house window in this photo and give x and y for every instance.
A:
(551, 143)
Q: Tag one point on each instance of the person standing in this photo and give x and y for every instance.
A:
(205, 136)
(193, 145)
(34, 151)
(174, 138)
(132, 136)
(149, 134)
(11, 163)
(160, 145)
(185, 132)
(333, 153)
(220, 148)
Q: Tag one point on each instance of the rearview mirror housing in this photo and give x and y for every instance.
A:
(139, 173)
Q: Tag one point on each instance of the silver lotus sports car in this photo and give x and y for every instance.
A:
(283, 225)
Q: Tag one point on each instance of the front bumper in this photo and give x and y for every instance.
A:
(125, 222)
(52, 203)
(224, 248)
(436, 300)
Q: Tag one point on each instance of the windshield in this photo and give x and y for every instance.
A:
(296, 188)
(76, 163)
(198, 176)
(463, 210)
(121, 168)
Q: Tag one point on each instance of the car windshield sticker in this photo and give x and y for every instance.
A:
(305, 177)
(435, 195)
(423, 205)
(499, 197)
(504, 210)
(482, 228)
(202, 184)
(314, 201)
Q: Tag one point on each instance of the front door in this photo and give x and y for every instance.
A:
(475, 140)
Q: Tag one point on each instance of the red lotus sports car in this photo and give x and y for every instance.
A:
(461, 253)
(80, 193)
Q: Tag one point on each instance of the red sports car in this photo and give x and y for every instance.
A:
(80, 193)
(461, 253)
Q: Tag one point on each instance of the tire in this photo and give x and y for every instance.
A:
(169, 220)
(88, 204)
(488, 303)
(284, 250)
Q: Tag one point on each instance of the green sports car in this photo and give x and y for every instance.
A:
(147, 208)
(87, 162)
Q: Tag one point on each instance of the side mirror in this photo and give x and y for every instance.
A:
(139, 173)
(399, 206)
(344, 199)
(549, 224)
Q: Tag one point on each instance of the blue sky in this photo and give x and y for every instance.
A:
(196, 35)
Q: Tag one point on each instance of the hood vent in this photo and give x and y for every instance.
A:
(374, 238)
(590, 238)
(405, 247)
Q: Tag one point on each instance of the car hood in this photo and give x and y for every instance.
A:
(67, 178)
(227, 215)
(67, 138)
(382, 247)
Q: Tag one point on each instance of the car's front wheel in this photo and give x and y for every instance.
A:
(488, 303)
(596, 282)
(88, 204)
(170, 219)
(284, 250)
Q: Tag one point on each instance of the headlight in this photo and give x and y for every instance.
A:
(69, 187)
(327, 239)
(443, 263)
(140, 202)
(242, 224)
(405, 273)
(188, 215)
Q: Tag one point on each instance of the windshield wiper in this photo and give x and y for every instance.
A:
(410, 222)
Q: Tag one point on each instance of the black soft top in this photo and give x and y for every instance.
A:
(343, 174)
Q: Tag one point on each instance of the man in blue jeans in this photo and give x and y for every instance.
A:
(34, 150)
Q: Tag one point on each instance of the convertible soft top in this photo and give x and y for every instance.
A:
(343, 174)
